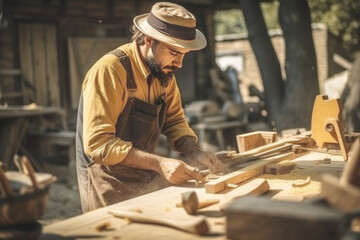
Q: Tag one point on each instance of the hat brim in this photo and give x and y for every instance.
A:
(198, 43)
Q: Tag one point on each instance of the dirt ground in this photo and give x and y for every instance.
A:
(63, 201)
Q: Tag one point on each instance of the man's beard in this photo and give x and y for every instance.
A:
(156, 72)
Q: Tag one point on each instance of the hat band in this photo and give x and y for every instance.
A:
(184, 33)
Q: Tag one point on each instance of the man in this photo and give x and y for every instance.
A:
(128, 98)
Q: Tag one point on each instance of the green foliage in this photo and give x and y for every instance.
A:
(270, 12)
(342, 18)
(229, 22)
(232, 21)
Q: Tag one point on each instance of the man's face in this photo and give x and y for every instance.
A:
(164, 59)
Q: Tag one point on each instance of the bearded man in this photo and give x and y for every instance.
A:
(129, 97)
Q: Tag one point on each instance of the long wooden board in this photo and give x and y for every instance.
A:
(246, 173)
(300, 140)
(283, 148)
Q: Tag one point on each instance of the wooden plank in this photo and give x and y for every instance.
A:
(52, 74)
(277, 169)
(26, 60)
(236, 161)
(246, 173)
(39, 58)
(319, 150)
(295, 140)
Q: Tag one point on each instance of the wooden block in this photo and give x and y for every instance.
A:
(255, 187)
(345, 197)
(246, 173)
(259, 218)
(277, 169)
(247, 142)
(253, 140)
(269, 136)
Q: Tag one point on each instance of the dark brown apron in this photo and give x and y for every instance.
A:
(140, 123)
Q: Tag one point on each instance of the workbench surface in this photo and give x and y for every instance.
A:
(99, 224)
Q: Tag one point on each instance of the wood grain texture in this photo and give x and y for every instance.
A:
(277, 169)
(248, 141)
(255, 187)
(246, 173)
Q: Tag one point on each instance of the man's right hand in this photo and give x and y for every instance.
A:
(174, 170)
(177, 172)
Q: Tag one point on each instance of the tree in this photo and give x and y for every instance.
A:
(351, 98)
(342, 18)
(288, 101)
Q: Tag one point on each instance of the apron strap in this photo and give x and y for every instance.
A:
(125, 61)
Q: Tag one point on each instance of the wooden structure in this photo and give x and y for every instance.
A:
(14, 124)
(100, 224)
(47, 46)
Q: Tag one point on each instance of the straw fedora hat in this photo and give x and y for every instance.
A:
(172, 24)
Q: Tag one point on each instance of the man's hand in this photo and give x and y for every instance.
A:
(177, 172)
(187, 146)
(209, 160)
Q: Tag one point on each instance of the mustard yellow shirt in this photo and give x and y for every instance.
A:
(104, 98)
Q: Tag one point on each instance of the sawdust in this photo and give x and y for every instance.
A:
(285, 182)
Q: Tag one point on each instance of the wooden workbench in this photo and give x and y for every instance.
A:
(14, 123)
(162, 203)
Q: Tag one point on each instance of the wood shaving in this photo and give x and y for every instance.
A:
(138, 210)
(105, 226)
(301, 183)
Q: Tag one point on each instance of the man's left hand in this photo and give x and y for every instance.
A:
(209, 160)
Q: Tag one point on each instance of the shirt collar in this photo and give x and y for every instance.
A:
(143, 68)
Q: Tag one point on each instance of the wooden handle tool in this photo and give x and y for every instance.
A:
(5, 186)
(191, 203)
(196, 225)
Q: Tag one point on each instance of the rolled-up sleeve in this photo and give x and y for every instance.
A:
(104, 95)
